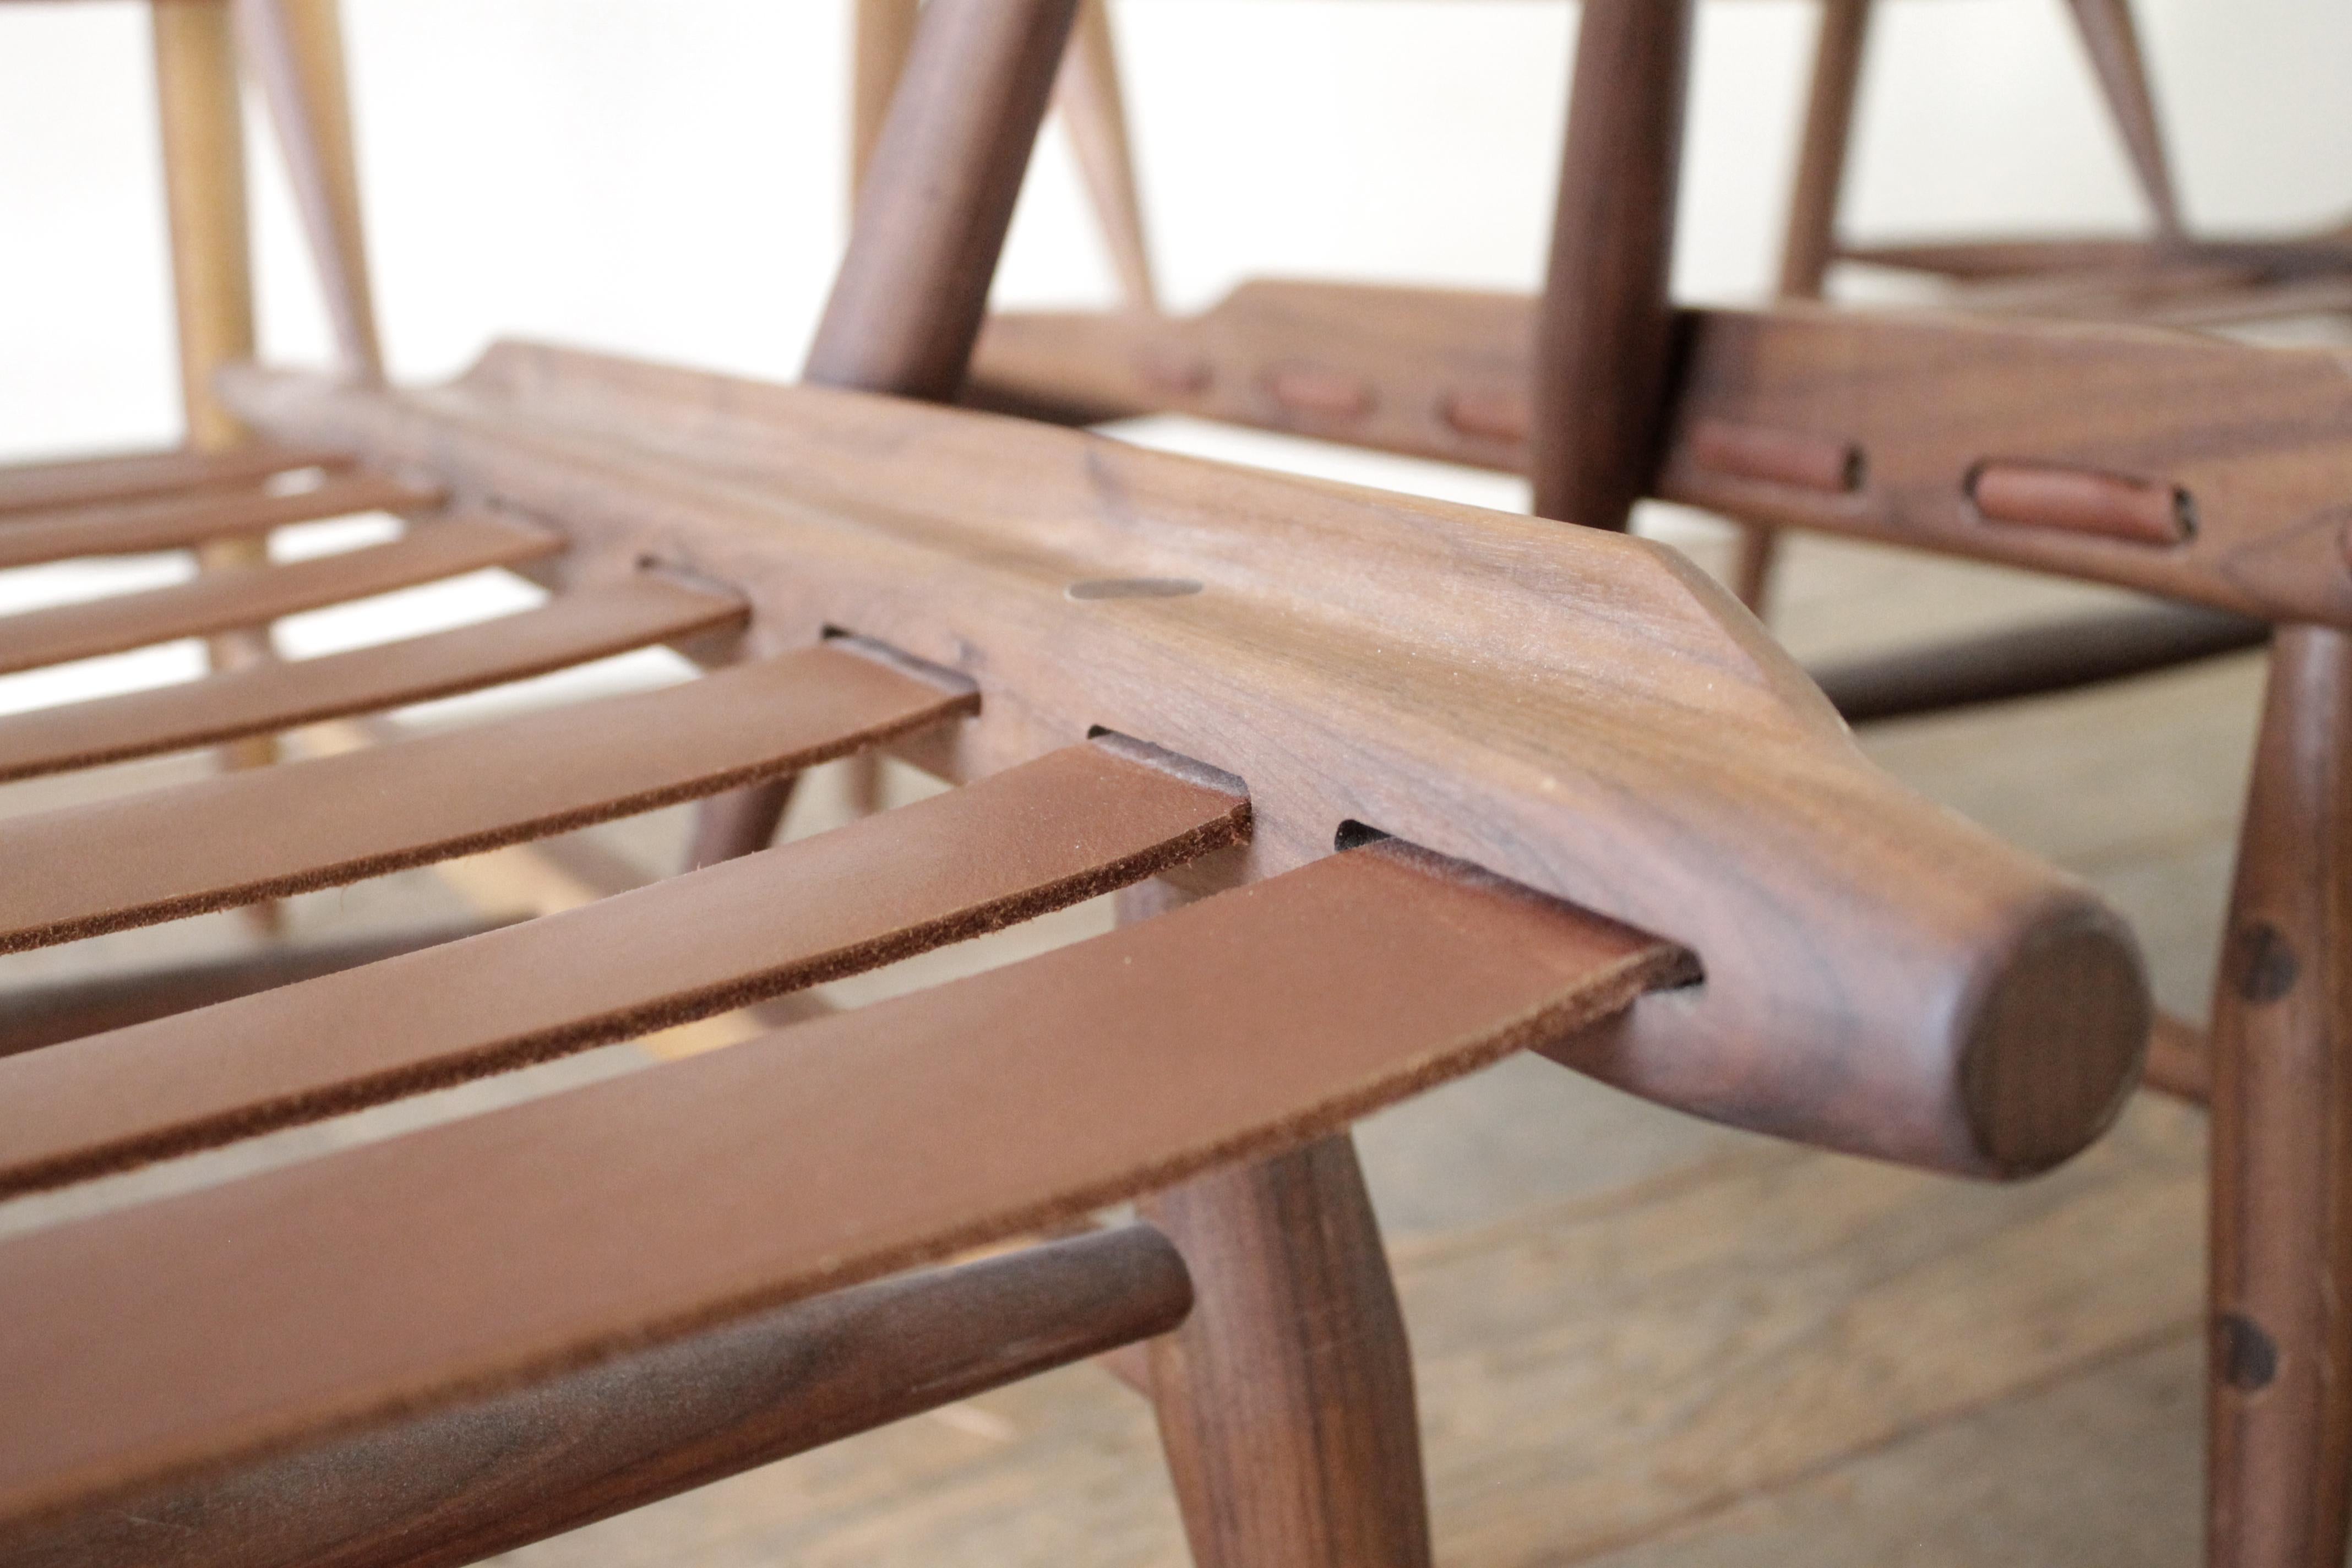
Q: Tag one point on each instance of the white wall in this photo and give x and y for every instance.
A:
(665, 176)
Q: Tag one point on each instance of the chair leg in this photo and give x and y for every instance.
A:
(1285, 1400)
(884, 34)
(1603, 329)
(296, 49)
(1811, 241)
(2280, 1378)
(211, 277)
(2113, 43)
(1094, 111)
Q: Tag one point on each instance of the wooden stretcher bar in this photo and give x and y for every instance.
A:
(223, 601)
(180, 522)
(2295, 256)
(224, 841)
(1071, 824)
(195, 1333)
(1917, 964)
(2247, 442)
(129, 475)
(2034, 660)
(454, 1485)
(588, 622)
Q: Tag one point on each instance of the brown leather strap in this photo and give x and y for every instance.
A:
(175, 522)
(579, 626)
(27, 486)
(1071, 824)
(260, 833)
(265, 1314)
(47, 1013)
(223, 601)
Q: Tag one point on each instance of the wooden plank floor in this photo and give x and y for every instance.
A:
(1641, 1342)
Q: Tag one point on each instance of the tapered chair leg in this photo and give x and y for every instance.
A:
(2281, 1371)
(1286, 1401)
(1602, 332)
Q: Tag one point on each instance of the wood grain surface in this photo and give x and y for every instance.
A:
(1870, 940)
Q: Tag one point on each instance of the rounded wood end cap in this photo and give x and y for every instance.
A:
(2057, 1040)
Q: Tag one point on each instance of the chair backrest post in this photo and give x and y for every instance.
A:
(906, 304)
(1603, 334)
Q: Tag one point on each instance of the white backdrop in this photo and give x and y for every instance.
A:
(665, 176)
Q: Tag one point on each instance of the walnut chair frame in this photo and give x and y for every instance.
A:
(1366, 845)
(2213, 474)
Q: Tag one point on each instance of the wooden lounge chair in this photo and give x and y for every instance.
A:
(1371, 837)
(2213, 474)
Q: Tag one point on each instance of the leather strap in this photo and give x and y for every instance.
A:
(176, 522)
(590, 623)
(261, 834)
(223, 601)
(1073, 824)
(29, 486)
(492, 1251)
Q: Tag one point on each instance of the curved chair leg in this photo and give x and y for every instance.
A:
(1285, 1400)
(2280, 1418)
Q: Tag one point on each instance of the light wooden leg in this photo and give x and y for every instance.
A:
(1094, 110)
(1812, 242)
(211, 277)
(2281, 1371)
(296, 49)
(883, 32)
(2113, 43)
